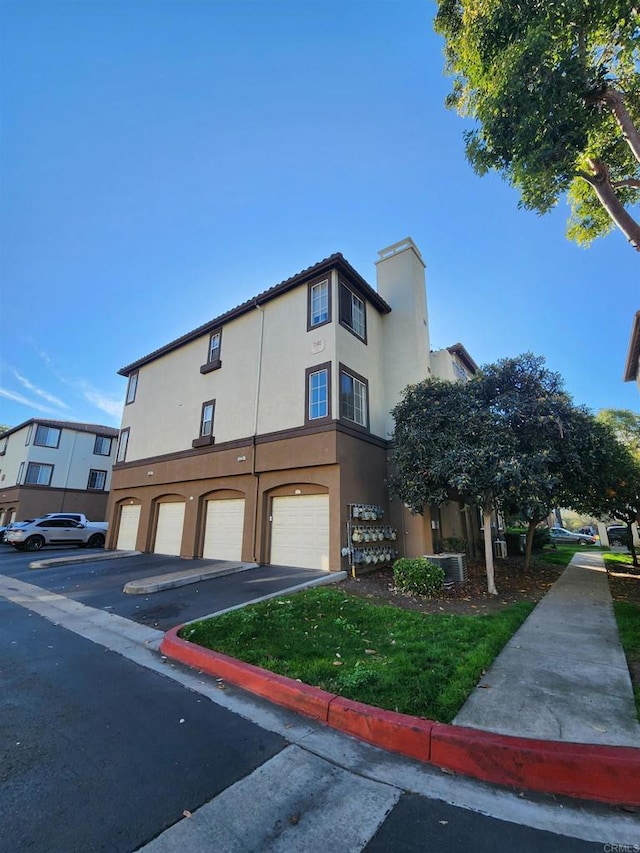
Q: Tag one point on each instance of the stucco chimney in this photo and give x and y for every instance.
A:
(401, 283)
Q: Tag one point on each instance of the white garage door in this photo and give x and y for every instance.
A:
(128, 530)
(169, 532)
(223, 530)
(300, 531)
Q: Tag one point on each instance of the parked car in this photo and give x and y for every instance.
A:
(617, 534)
(33, 535)
(560, 534)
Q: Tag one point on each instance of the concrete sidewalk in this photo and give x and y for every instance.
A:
(563, 676)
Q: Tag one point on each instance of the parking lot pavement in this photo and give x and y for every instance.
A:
(100, 584)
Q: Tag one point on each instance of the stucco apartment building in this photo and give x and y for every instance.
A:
(55, 466)
(263, 435)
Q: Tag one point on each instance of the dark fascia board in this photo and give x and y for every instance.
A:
(336, 261)
(96, 429)
(464, 357)
(633, 357)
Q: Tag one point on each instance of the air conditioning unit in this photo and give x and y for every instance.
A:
(457, 570)
(500, 548)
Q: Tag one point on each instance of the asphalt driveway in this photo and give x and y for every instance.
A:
(99, 584)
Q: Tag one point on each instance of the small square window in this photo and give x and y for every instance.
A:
(47, 436)
(132, 387)
(102, 446)
(97, 480)
(38, 474)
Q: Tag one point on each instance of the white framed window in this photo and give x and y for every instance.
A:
(353, 399)
(97, 479)
(318, 395)
(206, 420)
(123, 442)
(47, 436)
(132, 387)
(38, 474)
(29, 434)
(20, 474)
(353, 312)
(319, 303)
(215, 342)
(102, 446)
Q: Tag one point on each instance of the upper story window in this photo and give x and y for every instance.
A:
(213, 353)
(318, 304)
(354, 403)
(29, 434)
(123, 443)
(206, 424)
(38, 474)
(459, 371)
(3, 445)
(102, 446)
(132, 387)
(20, 474)
(97, 480)
(47, 436)
(318, 393)
(353, 314)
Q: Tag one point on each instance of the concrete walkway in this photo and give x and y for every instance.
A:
(563, 675)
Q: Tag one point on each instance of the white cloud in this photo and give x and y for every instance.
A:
(106, 403)
(44, 394)
(18, 398)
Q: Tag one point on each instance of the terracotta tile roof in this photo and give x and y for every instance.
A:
(335, 261)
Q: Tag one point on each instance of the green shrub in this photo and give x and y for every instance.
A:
(418, 576)
(454, 545)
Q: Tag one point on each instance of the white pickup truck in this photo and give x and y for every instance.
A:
(75, 516)
(56, 529)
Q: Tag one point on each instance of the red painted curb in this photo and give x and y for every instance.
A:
(401, 733)
(609, 774)
(308, 700)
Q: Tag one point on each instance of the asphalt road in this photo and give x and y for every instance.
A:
(105, 746)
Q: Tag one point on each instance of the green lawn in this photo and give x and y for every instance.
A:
(561, 555)
(424, 665)
(628, 618)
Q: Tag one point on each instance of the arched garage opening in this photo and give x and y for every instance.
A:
(223, 525)
(300, 527)
(128, 523)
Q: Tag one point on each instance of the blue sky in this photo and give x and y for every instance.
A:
(162, 162)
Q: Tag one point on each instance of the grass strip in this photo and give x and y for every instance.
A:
(414, 663)
(628, 619)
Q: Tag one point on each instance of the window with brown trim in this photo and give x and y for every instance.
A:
(47, 436)
(132, 387)
(318, 303)
(102, 446)
(318, 394)
(123, 442)
(97, 480)
(213, 353)
(38, 474)
(353, 312)
(206, 425)
(354, 398)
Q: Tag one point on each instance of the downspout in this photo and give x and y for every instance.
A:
(256, 477)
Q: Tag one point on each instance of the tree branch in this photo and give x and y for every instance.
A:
(613, 100)
(603, 188)
(634, 183)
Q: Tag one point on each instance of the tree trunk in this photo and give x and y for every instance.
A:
(601, 183)
(488, 550)
(631, 546)
(615, 102)
(533, 523)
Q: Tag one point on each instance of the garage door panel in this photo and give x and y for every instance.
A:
(128, 529)
(300, 531)
(169, 529)
(224, 528)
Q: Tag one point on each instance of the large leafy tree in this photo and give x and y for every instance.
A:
(449, 445)
(554, 88)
